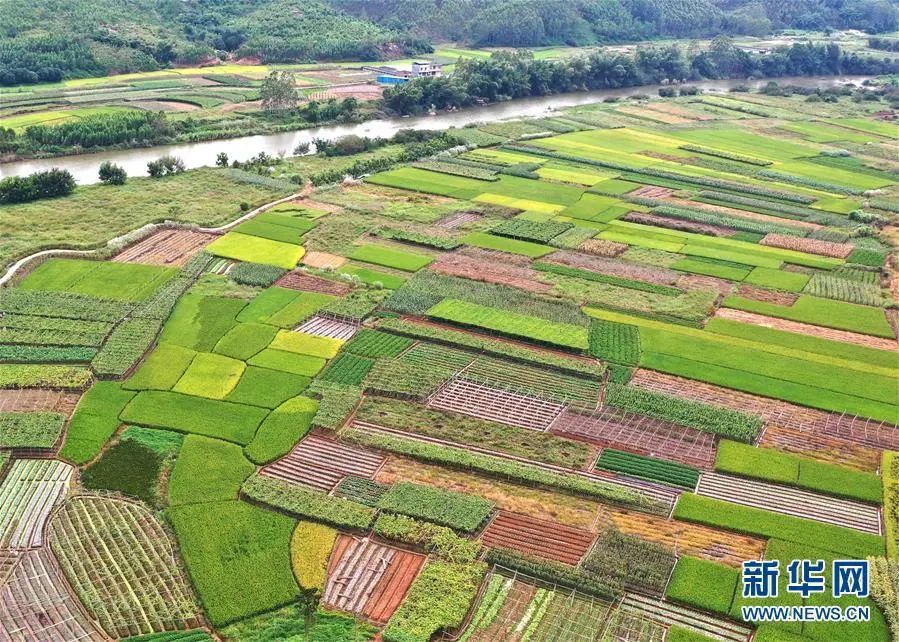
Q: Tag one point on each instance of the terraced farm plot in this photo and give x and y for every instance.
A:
(121, 281)
(791, 501)
(779, 413)
(642, 434)
(369, 579)
(322, 463)
(166, 247)
(298, 280)
(254, 249)
(484, 402)
(530, 536)
(669, 614)
(29, 493)
(543, 383)
(120, 562)
(36, 603)
(38, 400)
(518, 609)
(322, 326)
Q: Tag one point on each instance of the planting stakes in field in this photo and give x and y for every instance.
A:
(120, 561)
(36, 602)
(29, 493)
(321, 463)
(791, 501)
(369, 579)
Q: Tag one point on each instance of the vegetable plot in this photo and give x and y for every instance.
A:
(120, 562)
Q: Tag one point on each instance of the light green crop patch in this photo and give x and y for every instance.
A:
(308, 344)
(299, 364)
(210, 375)
(399, 260)
(254, 249)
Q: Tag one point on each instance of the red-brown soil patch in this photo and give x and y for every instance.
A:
(166, 247)
(38, 400)
(531, 536)
(308, 283)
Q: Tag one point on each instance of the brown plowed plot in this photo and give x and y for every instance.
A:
(327, 327)
(639, 434)
(679, 110)
(455, 264)
(601, 247)
(322, 260)
(652, 191)
(732, 211)
(812, 246)
(458, 219)
(530, 536)
(790, 501)
(779, 413)
(35, 399)
(767, 296)
(677, 224)
(752, 318)
(368, 578)
(661, 117)
(309, 283)
(319, 462)
(166, 247)
(475, 400)
(35, 604)
(829, 450)
(613, 267)
(690, 282)
(686, 539)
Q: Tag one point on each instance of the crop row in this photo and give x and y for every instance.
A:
(63, 304)
(589, 275)
(615, 342)
(714, 419)
(648, 468)
(511, 323)
(740, 158)
(705, 181)
(469, 171)
(734, 222)
(833, 287)
(632, 560)
(493, 346)
(536, 231)
(504, 469)
(418, 238)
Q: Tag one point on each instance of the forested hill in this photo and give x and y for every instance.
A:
(46, 40)
(43, 40)
(582, 22)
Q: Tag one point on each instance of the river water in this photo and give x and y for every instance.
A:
(84, 166)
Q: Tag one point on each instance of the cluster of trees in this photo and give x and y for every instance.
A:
(102, 130)
(884, 44)
(47, 184)
(165, 166)
(520, 23)
(507, 75)
(98, 37)
(417, 144)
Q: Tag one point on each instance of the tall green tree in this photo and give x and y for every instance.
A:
(279, 91)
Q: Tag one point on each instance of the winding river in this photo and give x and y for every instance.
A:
(84, 167)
